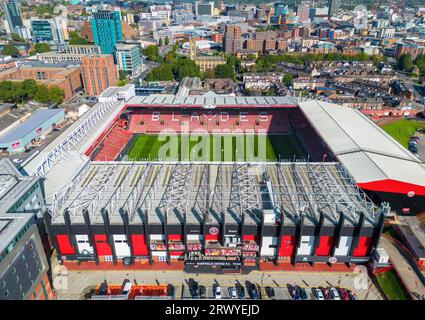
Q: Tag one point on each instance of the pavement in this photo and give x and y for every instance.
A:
(81, 284)
(405, 270)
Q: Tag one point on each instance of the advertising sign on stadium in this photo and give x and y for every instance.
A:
(15, 145)
(213, 231)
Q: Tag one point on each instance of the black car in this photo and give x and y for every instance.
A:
(103, 288)
(255, 295)
(202, 292)
(241, 291)
(194, 289)
(170, 290)
(303, 294)
(270, 292)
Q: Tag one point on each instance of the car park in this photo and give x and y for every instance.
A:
(232, 293)
(318, 294)
(334, 294)
(202, 292)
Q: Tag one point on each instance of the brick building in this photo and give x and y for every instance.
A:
(98, 72)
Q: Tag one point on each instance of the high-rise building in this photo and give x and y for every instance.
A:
(61, 29)
(98, 72)
(280, 9)
(14, 19)
(107, 30)
(333, 6)
(42, 31)
(232, 40)
(129, 58)
(204, 8)
(303, 12)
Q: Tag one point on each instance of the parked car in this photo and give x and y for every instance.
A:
(126, 287)
(303, 294)
(344, 294)
(334, 294)
(255, 295)
(241, 291)
(217, 292)
(171, 290)
(318, 293)
(270, 292)
(103, 289)
(352, 295)
(232, 293)
(296, 294)
(202, 292)
(327, 294)
(194, 289)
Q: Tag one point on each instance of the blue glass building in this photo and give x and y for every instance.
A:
(107, 31)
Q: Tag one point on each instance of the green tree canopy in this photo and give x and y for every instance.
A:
(16, 37)
(160, 42)
(167, 40)
(29, 88)
(287, 79)
(405, 62)
(9, 50)
(42, 94)
(152, 53)
(56, 94)
(42, 47)
(224, 71)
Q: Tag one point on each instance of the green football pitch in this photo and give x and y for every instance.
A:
(274, 147)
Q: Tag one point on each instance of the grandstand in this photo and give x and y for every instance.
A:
(327, 206)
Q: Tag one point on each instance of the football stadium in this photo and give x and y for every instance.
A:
(223, 184)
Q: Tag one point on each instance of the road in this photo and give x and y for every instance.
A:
(421, 147)
(149, 65)
(404, 268)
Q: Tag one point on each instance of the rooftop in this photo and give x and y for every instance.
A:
(29, 125)
(189, 193)
(12, 185)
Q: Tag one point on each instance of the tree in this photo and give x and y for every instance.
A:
(287, 79)
(42, 94)
(151, 53)
(185, 68)
(9, 50)
(122, 75)
(42, 47)
(162, 73)
(167, 41)
(56, 94)
(224, 71)
(121, 83)
(16, 37)
(405, 62)
(251, 57)
(7, 91)
(160, 42)
(29, 88)
(176, 45)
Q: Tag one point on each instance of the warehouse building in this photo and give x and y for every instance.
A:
(35, 127)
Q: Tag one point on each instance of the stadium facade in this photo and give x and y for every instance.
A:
(222, 215)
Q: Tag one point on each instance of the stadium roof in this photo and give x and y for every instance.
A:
(206, 100)
(30, 125)
(191, 192)
(368, 153)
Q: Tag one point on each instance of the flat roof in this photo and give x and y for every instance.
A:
(414, 233)
(12, 185)
(35, 121)
(10, 225)
(367, 151)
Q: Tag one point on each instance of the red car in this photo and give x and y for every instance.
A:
(344, 294)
